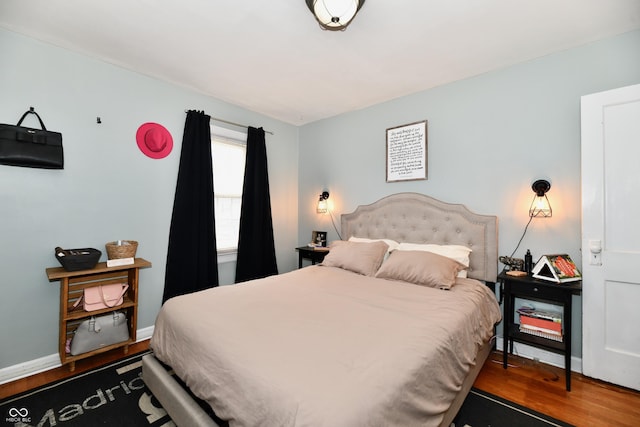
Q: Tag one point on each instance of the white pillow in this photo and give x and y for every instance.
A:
(393, 245)
(455, 252)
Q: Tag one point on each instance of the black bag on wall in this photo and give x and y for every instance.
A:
(33, 148)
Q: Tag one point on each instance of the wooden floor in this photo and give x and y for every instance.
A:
(532, 384)
(541, 387)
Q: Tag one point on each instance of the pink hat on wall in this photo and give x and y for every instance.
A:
(154, 140)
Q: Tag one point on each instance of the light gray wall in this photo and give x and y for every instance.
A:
(108, 190)
(489, 138)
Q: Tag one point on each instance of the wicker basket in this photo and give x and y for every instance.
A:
(125, 249)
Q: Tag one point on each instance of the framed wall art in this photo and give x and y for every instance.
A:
(407, 152)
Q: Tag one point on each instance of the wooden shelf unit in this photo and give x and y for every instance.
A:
(72, 285)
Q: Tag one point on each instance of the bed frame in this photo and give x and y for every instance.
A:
(404, 217)
(416, 218)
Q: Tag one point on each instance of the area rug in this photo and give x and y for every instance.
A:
(115, 395)
(484, 409)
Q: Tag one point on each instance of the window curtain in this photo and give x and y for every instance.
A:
(192, 263)
(256, 249)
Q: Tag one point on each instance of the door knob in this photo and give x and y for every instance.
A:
(595, 255)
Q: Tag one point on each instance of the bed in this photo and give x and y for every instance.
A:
(332, 344)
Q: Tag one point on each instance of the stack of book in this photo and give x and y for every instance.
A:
(545, 324)
(556, 268)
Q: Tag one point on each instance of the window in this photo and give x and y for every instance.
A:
(228, 149)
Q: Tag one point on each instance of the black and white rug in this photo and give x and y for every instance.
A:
(115, 395)
(482, 409)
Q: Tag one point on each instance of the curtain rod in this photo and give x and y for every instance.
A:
(236, 124)
(232, 123)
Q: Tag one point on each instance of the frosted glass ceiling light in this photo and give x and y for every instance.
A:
(334, 15)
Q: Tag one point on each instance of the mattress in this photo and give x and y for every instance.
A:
(322, 346)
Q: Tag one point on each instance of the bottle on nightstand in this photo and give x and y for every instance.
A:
(528, 262)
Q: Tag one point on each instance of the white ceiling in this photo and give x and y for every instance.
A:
(272, 57)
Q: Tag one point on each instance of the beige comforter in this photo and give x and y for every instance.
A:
(323, 346)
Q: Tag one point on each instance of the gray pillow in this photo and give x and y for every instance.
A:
(421, 268)
(359, 257)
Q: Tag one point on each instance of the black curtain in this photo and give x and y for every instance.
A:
(256, 249)
(192, 263)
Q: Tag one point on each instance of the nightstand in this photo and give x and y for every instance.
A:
(528, 288)
(315, 255)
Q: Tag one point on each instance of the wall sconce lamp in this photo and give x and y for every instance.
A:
(334, 15)
(540, 207)
(323, 206)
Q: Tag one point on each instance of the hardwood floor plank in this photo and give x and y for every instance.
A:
(591, 403)
(541, 387)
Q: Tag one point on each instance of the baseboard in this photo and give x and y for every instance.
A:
(25, 369)
(548, 357)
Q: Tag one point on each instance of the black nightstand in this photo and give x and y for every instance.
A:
(528, 288)
(315, 255)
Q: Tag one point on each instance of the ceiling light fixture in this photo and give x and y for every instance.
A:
(334, 15)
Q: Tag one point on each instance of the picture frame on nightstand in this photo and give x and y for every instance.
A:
(319, 238)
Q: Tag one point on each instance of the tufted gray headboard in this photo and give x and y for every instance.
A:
(416, 218)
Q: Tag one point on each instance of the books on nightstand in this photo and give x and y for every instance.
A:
(541, 334)
(556, 268)
(545, 324)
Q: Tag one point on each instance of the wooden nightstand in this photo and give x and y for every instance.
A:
(528, 288)
(315, 255)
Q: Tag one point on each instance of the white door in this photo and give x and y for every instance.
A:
(611, 236)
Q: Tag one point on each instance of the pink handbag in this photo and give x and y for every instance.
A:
(103, 296)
